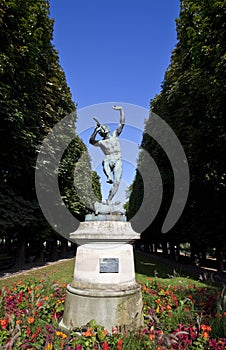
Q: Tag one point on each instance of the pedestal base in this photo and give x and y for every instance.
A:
(104, 286)
(108, 308)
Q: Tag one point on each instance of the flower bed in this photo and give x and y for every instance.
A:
(175, 317)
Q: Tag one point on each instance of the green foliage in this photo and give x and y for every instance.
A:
(34, 96)
(193, 102)
(80, 187)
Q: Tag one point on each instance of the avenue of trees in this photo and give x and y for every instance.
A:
(34, 96)
(193, 102)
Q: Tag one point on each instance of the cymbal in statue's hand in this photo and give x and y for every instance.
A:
(118, 108)
(98, 128)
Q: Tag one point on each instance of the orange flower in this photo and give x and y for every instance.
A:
(18, 321)
(206, 328)
(30, 320)
(151, 336)
(205, 335)
(144, 288)
(88, 333)
(4, 323)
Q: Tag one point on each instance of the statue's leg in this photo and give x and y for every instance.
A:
(107, 170)
(117, 177)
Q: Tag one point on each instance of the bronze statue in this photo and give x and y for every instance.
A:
(110, 145)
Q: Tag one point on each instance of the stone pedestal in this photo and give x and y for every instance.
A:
(104, 286)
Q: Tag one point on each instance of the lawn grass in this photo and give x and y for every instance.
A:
(167, 274)
(61, 271)
(145, 266)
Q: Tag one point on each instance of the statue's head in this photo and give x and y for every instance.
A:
(104, 131)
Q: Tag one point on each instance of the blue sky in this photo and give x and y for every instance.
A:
(114, 50)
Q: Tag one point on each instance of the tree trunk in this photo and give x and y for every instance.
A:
(39, 251)
(54, 253)
(194, 254)
(164, 248)
(155, 247)
(20, 253)
(220, 260)
(64, 245)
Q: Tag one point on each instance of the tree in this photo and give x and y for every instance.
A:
(192, 101)
(34, 96)
(80, 186)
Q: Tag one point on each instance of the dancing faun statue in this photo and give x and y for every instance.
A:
(110, 145)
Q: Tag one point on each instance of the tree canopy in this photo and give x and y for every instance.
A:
(193, 102)
(34, 96)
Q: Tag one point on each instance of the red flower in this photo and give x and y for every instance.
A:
(28, 331)
(119, 345)
(39, 303)
(54, 314)
(20, 297)
(106, 346)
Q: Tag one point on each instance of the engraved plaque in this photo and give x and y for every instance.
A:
(109, 265)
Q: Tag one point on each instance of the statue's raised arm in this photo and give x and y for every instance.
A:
(122, 120)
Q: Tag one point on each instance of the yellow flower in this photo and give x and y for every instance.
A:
(61, 335)
(157, 309)
(49, 346)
